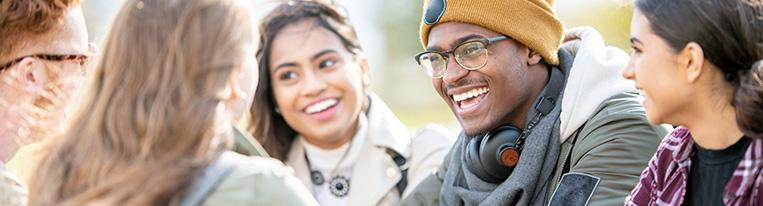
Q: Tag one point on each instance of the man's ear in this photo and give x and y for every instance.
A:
(28, 74)
(692, 59)
(533, 57)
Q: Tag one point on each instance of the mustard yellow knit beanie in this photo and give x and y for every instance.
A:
(531, 22)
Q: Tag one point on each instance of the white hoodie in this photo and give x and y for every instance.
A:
(594, 77)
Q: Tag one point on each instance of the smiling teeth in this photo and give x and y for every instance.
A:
(320, 106)
(470, 94)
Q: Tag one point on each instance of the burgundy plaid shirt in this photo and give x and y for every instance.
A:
(664, 181)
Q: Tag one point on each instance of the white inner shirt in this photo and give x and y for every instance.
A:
(325, 161)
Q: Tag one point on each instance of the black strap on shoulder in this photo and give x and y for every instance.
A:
(566, 168)
(546, 102)
(551, 93)
(402, 164)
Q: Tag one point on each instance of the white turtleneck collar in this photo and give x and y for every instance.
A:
(322, 159)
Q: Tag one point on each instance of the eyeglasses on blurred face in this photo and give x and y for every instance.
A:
(81, 59)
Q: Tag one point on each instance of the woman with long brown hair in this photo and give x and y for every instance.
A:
(698, 63)
(314, 111)
(156, 116)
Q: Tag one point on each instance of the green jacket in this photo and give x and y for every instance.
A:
(615, 145)
(260, 181)
(257, 179)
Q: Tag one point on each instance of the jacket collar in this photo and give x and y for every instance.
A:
(385, 129)
(295, 159)
(682, 142)
(375, 174)
(745, 184)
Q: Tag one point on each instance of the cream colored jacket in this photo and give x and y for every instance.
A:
(375, 175)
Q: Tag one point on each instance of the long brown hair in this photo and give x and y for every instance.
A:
(154, 113)
(731, 34)
(267, 125)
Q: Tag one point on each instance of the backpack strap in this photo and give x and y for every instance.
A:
(566, 168)
(401, 163)
(210, 178)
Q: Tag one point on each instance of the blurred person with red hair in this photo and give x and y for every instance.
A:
(43, 49)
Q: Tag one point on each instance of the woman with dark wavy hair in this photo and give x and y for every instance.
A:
(698, 63)
(314, 111)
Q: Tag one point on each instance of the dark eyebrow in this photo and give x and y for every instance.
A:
(316, 56)
(635, 40)
(457, 42)
(287, 64)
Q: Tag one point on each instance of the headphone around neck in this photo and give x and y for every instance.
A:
(493, 156)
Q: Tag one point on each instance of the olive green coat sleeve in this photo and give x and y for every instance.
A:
(614, 145)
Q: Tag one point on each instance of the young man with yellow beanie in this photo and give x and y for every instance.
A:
(543, 123)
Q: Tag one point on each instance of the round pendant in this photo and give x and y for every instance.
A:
(317, 177)
(339, 186)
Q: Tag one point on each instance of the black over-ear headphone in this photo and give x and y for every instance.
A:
(493, 156)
